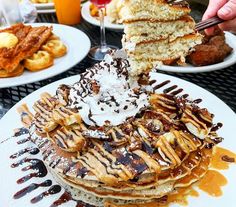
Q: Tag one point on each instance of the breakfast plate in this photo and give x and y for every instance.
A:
(77, 47)
(92, 20)
(230, 60)
(46, 11)
(9, 175)
(40, 6)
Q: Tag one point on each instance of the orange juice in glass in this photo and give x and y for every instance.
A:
(68, 11)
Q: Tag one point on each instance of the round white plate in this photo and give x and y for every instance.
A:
(46, 11)
(230, 60)
(92, 20)
(78, 45)
(9, 176)
(44, 6)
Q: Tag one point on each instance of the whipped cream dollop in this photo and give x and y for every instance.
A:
(105, 94)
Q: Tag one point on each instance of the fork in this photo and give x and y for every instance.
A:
(208, 23)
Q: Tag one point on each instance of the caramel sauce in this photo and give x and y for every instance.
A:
(212, 183)
(222, 158)
(181, 196)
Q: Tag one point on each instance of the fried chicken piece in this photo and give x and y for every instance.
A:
(213, 50)
(30, 39)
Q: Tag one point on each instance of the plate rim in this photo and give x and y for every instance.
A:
(39, 6)
(88, 18)
(46, 11)
(228, 61)
(11, 82)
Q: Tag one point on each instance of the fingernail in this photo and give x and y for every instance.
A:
(225, 11)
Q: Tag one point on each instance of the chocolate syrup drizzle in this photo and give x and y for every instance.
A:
(23, 141)
(51, 191)
(66, 197)
(40, 171)
(21, 131)
(30, 150)
(160, 85)
(31, 188)
(216, 127)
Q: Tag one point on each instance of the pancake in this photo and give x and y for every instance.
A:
(144, 56)
(161, 10)
(136, 31)
(165, 145)
(157, 32)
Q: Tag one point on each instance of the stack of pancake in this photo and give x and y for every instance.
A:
(157, 31)
(167, 145)
(23, 46)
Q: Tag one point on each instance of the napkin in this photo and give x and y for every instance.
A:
(28, 11)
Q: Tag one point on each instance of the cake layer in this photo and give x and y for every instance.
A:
(154, 192)
(81, 194)
(139, 66)
(153, 9)
(161, 50)
(146, 30)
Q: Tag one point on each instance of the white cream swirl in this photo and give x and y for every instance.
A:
(105, 93)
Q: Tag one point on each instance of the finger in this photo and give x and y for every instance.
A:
(228, 11)
(229, 25)
(210, 31)
(212, 8)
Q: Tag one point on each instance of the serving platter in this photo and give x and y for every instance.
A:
(9, 146)
(77, 47)
(230, 60)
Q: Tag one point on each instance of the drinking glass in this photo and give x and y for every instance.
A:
(10, 10)
(68, 11)
(99, 52)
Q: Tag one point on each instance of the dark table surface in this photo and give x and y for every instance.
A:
(222, 83)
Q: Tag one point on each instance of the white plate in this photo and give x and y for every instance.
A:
(78, 45)
(230, 60)
(44, 6)
(92, 20)
(46, 11)
(9, 176)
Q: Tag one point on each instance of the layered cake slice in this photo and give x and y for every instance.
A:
(157, 31)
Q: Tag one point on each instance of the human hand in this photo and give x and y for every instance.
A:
(226, 10)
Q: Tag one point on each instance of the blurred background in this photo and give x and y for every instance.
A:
(198, 8)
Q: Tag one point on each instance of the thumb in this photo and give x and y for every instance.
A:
(228, 11)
